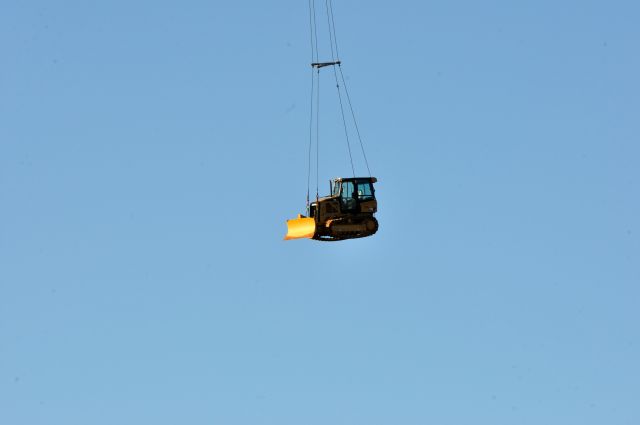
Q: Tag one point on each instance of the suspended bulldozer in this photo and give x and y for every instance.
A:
(345, 214)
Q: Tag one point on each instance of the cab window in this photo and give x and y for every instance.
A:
(336, 189)
(347, 189)
(364, 191)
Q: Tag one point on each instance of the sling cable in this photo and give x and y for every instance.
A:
(348, 211)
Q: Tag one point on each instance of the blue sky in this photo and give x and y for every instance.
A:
(150, 153)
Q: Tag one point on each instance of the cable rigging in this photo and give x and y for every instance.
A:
(315, 92)
(348, 211)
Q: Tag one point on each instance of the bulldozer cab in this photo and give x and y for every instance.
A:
(352, 192)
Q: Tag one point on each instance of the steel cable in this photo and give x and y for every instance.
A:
(332, 41)
(353, 116)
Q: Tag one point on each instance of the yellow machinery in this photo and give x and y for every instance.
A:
(345, 214)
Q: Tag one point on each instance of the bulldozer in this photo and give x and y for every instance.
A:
(347, 213)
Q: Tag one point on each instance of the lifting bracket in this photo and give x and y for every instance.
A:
(323, 64)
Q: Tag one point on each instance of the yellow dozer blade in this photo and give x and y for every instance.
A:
(301, 227)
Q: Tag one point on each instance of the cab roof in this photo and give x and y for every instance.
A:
(348, 179)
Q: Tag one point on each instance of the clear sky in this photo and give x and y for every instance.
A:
(151, 151)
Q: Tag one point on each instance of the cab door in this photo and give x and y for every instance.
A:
(348, 197)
